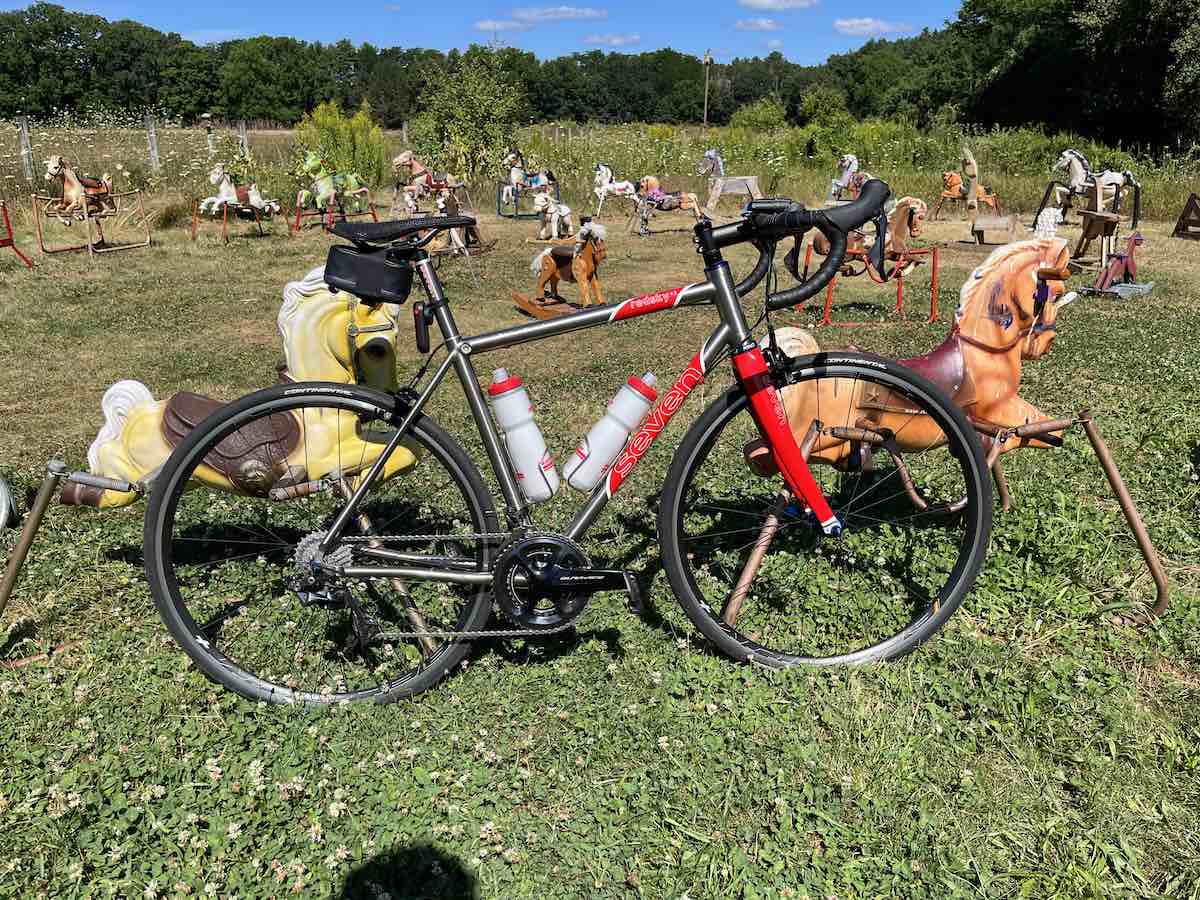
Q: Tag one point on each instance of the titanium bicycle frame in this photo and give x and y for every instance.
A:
(733, 334)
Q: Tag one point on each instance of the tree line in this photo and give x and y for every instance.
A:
(1123, 71)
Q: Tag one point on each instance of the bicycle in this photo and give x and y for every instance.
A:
(369, 576)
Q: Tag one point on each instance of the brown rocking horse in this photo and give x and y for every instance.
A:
(580, 264)
(1007, 314)
(906, 221)
(86, 200)
(955, 191)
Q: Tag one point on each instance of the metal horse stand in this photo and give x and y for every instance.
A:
(7, 238)
(241, 212)
(1045, 431)
(136, 214)
(861, 256)
(56, 473)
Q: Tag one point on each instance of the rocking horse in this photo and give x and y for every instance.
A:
(1119, 276)
(1083, 182)
(907, 220)
(652, 198)
(954, 190)
(712, 166)
(331, 196)
(605, 185)
(580, 264)
(325, 338)
(508, 195)
(245, 201)
(1008, 313)
(840, 187)
(415, 180)
(91, 201)
(555, 217)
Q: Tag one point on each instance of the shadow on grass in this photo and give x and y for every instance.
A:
(419, 872)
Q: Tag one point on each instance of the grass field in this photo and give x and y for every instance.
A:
(1034, 748)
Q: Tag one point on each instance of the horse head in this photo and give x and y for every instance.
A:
(647, 184)
(320, 345)
(910, 212)
(594, 234)
(1013, 299)
(217, 175)
(403, 160)
(952, 182)
(56, 167)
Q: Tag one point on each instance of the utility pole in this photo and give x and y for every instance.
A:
(707, 64)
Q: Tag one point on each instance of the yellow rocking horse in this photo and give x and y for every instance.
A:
(326, 337)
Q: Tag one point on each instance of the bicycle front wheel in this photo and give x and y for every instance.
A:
(234, 524)
(902, 469)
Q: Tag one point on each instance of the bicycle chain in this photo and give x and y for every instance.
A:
(461, 635)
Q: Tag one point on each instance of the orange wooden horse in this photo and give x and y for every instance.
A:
(580, 264)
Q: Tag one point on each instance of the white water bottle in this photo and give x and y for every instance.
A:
(597, 451)
(526, 447)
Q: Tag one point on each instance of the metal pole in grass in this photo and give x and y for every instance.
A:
(243, 138)
(26, 147)
(206, 118)
(152, 142)
(707, 64)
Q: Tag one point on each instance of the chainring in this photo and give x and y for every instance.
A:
(517, 591)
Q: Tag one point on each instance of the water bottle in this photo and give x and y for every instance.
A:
(597, 451)
(532, 462)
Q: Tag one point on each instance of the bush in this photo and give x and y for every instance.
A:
(347, 143)
(767, 114)
(471, 115)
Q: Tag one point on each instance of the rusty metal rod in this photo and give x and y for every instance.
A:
(1001, 486)
(1129, 508)
(56, 470)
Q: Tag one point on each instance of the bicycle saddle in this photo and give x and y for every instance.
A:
(385, 232)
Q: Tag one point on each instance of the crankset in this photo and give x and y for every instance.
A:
(544, 581)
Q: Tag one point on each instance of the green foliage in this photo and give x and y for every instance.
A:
(470, 115)
(347, 143)
(763, 115)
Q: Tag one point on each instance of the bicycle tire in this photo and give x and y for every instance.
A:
(173, 481)
(699, 442)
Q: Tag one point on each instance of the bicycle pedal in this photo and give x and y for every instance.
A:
(636, 606)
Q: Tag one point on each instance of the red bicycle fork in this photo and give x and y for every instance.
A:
(767, 407)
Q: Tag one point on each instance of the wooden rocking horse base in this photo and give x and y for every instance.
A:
(7, 238)
(545, 307)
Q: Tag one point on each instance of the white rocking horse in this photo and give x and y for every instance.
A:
(229, 194)
(555, 217)
(605, 185)
(521, 180)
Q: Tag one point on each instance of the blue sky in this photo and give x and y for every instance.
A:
(806, 31)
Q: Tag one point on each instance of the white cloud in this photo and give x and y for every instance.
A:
(759, 24)
(491, 25)
(868, 27)
(558, 13)
(774, 44)
(777, 5)
(613, 40)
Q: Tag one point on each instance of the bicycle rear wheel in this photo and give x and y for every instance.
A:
(231, 567)
(903, 470)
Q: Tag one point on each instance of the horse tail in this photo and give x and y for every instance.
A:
(106, 180)
(116, 404)
(535, 266)
(550, 177)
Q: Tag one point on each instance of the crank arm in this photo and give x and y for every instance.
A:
(592, 580)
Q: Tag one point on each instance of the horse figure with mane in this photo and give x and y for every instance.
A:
(712, 167)
(954, 189)
(605, 185)
(229, 194)
(1082, 181)
(325, 338)
(81, 196)
(415, 180)
(848, 167)
(1007, 313)
(331, 189)
(555, 217)
(519, 179)
(580, 264)
(651, 197)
